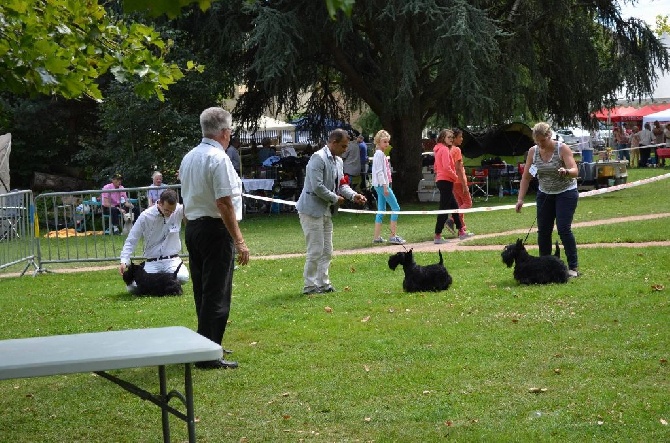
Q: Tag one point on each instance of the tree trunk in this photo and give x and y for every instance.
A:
(57, 183)
(406, 157)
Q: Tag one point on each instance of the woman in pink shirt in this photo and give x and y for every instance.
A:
(445, 176)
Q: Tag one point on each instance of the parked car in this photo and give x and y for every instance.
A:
(577, 138)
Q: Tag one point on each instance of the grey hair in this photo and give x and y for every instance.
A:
(214, 120)
(156, 173)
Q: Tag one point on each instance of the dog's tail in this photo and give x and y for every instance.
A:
(441, 259)
(557, 252)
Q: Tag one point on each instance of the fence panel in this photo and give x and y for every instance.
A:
(74, 227)
(17, 231)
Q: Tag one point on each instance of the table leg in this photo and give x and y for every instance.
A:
(164, 395)
(190, 412)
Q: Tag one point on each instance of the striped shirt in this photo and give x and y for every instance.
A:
(550, 181)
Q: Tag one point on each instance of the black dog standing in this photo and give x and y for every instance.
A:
(159, 284)
(421, 278)
(530, 270)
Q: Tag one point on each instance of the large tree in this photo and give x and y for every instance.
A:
(479, 62)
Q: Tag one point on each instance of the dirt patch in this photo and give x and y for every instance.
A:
(450, 245)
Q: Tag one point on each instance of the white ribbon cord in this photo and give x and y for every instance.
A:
(479, 209)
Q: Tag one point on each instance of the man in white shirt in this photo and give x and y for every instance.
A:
(160, 227)
(646, 138)
(212, 193)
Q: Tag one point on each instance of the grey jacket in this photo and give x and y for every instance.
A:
(321, 188)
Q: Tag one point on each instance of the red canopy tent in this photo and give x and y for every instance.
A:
(629, 113)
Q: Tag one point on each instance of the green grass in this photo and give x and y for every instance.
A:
(383, 365)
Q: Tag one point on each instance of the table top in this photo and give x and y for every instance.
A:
(255, 184)
(103, 351)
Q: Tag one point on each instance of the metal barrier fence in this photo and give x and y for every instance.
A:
(74, 226)
(17, 230)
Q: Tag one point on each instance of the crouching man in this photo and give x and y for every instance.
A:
(160, 228)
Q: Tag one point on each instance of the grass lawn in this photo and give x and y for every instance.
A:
(371, 363)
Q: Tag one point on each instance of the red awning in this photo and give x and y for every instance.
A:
(629, 113)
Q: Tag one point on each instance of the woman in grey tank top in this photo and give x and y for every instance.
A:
(556, 171)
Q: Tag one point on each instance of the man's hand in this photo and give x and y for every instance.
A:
(122, 268)
(242, 253)
(360, 199)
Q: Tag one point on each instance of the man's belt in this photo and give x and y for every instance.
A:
(162, 257)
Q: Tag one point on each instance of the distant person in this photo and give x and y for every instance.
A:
(323, 192)
(381, 181)
(154, 193)
(622, 142)
(461, 189)
(116, 204)
(363, 149)
(265, 151)
(351, 159)
(646, 139)
(552, 163)
(666, 136)
(657, 131)
(159, 227)
(634, 147)
(233, 152)
(445, 176)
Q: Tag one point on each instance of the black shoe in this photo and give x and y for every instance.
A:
(219, 363)
(327, 288)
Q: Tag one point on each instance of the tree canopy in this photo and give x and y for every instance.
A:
(483, 62)
(63, 47)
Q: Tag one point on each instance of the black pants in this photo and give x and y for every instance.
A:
(645, 153)
(447, 201)
(211, 262)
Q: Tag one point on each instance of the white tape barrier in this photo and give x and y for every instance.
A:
(659, 145)
(479, 209)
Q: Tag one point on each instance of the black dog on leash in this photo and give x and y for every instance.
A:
(158, 284)
(421, 278)
(529, 270)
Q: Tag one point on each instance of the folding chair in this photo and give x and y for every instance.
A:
(479, 183)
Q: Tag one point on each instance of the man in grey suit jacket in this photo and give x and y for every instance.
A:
(321, 195)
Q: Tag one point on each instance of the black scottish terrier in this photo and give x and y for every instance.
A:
(529, 270)
(158, 284)
(421, 278)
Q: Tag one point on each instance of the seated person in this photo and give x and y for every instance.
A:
(265, 151)
(116, 203)
(155, 191)
(159, 226)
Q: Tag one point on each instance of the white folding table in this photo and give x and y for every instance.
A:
(99, 352)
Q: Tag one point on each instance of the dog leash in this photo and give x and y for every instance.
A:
(539, 208)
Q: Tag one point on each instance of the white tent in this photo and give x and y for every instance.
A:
(662, 117)
(269, 127)
(266, 123)
(5, 150)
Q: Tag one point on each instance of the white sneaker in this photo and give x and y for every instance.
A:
(573, 273)
(397, 240)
